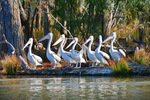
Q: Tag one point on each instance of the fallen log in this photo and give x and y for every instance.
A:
(24, 64)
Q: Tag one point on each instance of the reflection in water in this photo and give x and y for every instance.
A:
(74, 88)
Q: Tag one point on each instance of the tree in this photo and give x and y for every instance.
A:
(10, 25)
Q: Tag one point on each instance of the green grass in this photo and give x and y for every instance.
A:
(121, 68)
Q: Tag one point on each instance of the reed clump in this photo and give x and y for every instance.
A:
(142, 58)
(121, 67)
(10, 64)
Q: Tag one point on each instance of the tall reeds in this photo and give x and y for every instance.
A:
(10, 64)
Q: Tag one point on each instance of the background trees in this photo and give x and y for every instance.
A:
(81, 17)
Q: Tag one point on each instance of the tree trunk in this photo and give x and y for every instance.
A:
(141, 30)
(47, 21)
(38, 16)
(10, 25)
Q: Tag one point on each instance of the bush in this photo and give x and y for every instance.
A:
(121, 67)
(141, 58)
(10, 64)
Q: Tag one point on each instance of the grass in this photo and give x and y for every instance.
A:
(142, 58)
(10, 64)
(121, 67)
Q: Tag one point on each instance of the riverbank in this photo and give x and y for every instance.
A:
(135, 69)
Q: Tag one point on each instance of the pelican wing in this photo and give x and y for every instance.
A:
(56, 57)
(105, 55)
(122, 52)
(34, 60)
(70, 58)
(37, 58)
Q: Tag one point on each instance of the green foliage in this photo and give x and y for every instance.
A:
(121, 68)
(142, 58)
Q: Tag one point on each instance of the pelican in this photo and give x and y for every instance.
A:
(91, 54)
(51, 56)
(65, 55)
(34, 59)
(100, 55)
(115, 54)
(77, 56)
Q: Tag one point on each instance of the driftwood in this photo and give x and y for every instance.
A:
(141, 44)
(5, 41)
(23, 62)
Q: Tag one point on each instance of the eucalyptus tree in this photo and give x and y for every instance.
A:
(10, 26)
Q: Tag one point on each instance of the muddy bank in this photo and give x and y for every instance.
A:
(135, 69)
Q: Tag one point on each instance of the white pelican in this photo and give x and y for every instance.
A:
(77, 56)
(34, 59)
(51, 56)
(91, 54)
(115, 54)
(65, 55)
(100, 55)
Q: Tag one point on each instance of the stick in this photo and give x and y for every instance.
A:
(5, 41)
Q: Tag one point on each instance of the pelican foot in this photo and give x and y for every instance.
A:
(76, 67)
(92, 66)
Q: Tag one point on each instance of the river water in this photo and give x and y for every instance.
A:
(74, 88)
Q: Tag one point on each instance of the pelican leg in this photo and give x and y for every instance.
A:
(52, 66)
(33, 67)
(69, 65)
(96, 63)
(92, 64)
(76, 65)
(80, 65)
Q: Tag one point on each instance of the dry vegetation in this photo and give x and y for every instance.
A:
(10, 64)
(142, 58)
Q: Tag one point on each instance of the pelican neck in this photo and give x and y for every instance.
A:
(74, 45)
(61, 46)
(30, 47)
(99, 46)
(111, 44)
(90, 45)
(49, 44)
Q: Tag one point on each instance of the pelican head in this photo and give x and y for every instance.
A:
(89, 39)
(29, 42)
(111, 36)
(61, 38)
(48, 36)
(75, 39)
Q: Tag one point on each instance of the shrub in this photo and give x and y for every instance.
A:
(141, 58)
(121, 67)
(10, 64)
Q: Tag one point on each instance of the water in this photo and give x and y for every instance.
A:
(75, 88)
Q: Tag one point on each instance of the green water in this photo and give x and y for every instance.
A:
(75, 88)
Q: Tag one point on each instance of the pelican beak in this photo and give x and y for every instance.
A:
(44, 38)
(70, 44)
(58, 41)
(26, 44)
(108, 38)
(86, 41)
